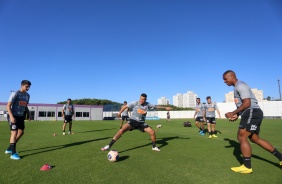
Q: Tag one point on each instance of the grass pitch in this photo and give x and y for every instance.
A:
(185, 157)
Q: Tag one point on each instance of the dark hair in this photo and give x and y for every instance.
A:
(68, 99)
(144, 95)
(125, 102)
(229, 71)
(208, 97)
(198, 98)
(25, 82)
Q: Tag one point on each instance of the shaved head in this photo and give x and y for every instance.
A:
(231, 72)
(229, 78)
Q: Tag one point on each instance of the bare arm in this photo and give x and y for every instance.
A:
(163, 107)
(121, 110)
(9, 109)
(234, 115)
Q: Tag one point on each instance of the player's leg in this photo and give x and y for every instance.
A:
(152, 133)
(213, 130)
(64, 127)
(209, 129)
(70, 127)
(121, 131)
(246, 150)
(266, 145)
(121, 123)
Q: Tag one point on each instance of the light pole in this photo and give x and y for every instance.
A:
(279, 89)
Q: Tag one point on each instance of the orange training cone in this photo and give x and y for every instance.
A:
(46, 167)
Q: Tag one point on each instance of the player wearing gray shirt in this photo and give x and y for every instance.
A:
(17, 107)
(209, 112)
(137, 121)
(124, 115)
(68, 115)
(200, 121)
(251, 119)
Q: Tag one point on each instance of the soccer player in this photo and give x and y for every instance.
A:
(167, 116)
(137, 120)
(209, 113)
(17, 107)
(251, 119)
(68, 115)
(124, 115)
(200, 120)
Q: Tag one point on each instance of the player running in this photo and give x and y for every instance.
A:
(200, 119)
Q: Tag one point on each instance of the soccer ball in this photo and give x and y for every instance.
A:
(113, 156)
(159, 126)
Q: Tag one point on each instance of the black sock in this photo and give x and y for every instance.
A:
(210, 133)
(201, 129)
(112, 142)
(247, 162)
(13, 148)
(9, 148)
(277, 154)
(153, 144)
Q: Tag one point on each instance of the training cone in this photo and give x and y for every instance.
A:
(46, 167)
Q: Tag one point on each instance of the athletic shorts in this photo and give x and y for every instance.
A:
(251, 120)
(19, 123)
(137, 125)
(211, 120)
(124, 118)
(168, 117)
(68, 118)
(200, 119)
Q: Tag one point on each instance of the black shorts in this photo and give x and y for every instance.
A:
(19, 123)
(124, 118)
(168, 117)
(200, 119)
(137, 125)
(211, 120)
(68, 118)
(251, 120)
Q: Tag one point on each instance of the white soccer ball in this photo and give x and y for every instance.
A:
(159, 126)
(113, 156)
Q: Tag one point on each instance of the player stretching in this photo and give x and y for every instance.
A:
(137, 121)
(17, 107)
(251, 119)
(200, 120)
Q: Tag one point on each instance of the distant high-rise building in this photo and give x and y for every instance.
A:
(185, 100)
(163, 101)
(229, 97)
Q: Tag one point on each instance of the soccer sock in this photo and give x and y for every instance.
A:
(112, 142)
(277, 154)
(210, 133)
(13, 147)
(154, 144)
(247, 162)
(201, 129)
(9, 148)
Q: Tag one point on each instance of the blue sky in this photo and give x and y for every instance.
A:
(116, 50)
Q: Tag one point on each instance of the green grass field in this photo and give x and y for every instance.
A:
(185, 157)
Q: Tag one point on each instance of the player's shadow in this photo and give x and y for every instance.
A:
(163, 142)
(237, 153)
(52, 148)
(94, 130)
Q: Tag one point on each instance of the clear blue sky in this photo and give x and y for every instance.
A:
(116, 50)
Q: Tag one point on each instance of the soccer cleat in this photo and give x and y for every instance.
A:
(280, 164)
(8, 152)
(15, 156)
(69, 132)
(242, 169)
(202, 133)
(156, 149)
(64, 133)
(213, 135)
(210, 136)
(105, 148)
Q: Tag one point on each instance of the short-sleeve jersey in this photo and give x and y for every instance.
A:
(68, 109)
(199, 109)
(139, 111)
(210, 109)
(19, 102)
(243, 91)
(125, 112)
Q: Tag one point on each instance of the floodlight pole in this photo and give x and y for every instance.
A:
(279, 89)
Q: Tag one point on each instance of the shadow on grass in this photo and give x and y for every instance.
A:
(162, 141)
(52, 148)
(94, 130)
(122, 158)
(237, 153)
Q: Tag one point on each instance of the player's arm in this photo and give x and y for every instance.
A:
(218, 112)
(27, 113)
(246, 103)
(163, 107)
(9, 109)
(63, 112)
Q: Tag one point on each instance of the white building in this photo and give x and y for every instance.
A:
(185, 100)
(229, 97)
(163, 101)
